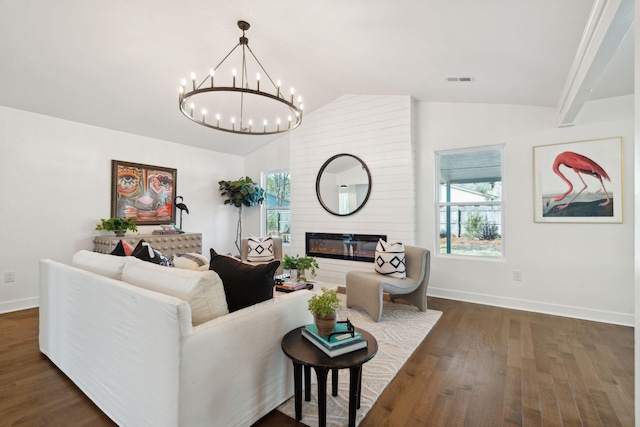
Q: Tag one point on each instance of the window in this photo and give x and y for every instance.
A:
(277, 206)
(469, 217)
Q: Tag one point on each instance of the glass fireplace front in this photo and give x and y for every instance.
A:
(354, 247)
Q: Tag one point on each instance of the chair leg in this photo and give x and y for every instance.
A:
(417, 297)
(367, 296)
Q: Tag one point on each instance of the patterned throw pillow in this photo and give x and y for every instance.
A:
(260, 250)
(390, 259)
(123, 248)
(145, 252)
(189, 261)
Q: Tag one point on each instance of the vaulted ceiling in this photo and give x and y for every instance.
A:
(118, 64)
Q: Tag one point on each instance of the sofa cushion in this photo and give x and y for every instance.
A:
(146, 252)
(389, 259)
(202, 290)
(104, 264)
(123, 248)
(260, 249)
(244, 284)
(189, 261)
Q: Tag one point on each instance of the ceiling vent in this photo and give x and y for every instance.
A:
(460, 79)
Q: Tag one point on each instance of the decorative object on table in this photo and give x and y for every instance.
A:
(323, 307)
(273, 112)
(168, 229)
(298, 266)
(182, 207)
(143, 192)
(282, 286)
(243, 192)
(579, 181)
(389, 259)
(118, 225)
(344, 339)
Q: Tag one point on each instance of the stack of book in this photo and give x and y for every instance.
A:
(288, 287)
(337, 344)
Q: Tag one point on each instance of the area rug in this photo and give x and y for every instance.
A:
(399, 332)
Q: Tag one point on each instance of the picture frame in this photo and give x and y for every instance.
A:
(579, 182)
(143, 192)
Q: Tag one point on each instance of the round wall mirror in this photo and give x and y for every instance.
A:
(343, 184)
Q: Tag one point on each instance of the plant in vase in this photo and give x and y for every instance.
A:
(300, 265)
(117, 225)
(323, 307)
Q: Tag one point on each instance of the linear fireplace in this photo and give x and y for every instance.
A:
(354, 247)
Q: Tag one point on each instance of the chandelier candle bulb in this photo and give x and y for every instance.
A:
(292, 93)
(218, 120)
(233, 123)
(278, 88)
(258, 80)
(211, 73)
(233, 73)
(193, 80)
(250, 124)
(192, 106)
(204, 115)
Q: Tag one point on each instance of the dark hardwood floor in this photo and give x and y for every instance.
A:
(479, 366)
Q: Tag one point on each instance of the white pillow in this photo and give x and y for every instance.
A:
(104, 264)
(260, 250)
(190, 261)
(390, 259)
(202, 290)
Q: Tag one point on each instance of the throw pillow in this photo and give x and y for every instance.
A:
(189, 261)
(145, 252)
(260, 250)
(202, 290)
(389, 259)
(244, 284)
(123, 248)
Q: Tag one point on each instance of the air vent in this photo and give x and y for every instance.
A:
(460, 79)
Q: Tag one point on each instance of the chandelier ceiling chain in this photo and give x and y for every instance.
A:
(269, 105)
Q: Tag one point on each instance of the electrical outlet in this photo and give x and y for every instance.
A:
(9, 276)
(517, 275)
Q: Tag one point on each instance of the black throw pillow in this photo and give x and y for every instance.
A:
(244, 284)
(145, 252)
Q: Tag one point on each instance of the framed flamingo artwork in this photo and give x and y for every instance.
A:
(143, 192)
(579, 181)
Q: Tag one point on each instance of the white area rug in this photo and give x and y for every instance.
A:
(399, 332)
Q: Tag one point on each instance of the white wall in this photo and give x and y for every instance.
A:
(56, 178)
(378, 130)
(576, 270)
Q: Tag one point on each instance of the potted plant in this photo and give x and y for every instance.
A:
(243, 192)
(300, 265)
(323, 307)
(117, 225)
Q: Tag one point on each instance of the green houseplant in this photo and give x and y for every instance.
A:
(323, 307)
(243, 192)
(117, 225)
(300, 265)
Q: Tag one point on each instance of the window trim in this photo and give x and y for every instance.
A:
(438, 204)
(263, 210)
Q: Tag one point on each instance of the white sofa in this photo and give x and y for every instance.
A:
(136, 354)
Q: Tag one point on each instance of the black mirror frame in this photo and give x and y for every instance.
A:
(324, 166)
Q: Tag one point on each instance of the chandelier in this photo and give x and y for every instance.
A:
(233, 103)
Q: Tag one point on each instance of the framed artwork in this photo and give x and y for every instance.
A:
(579, 181)
(143, 192)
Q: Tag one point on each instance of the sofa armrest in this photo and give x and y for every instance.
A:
(233, 367)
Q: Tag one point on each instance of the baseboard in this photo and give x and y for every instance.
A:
(19, 304)
(623, 319)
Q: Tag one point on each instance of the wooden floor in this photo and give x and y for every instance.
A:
(479, 366)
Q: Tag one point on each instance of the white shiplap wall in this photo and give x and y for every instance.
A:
(380, 130)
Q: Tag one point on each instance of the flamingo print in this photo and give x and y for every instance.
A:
(580, 165)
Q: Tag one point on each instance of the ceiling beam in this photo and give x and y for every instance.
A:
(608, 23)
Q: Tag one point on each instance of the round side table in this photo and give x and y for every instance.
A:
(305, 355)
